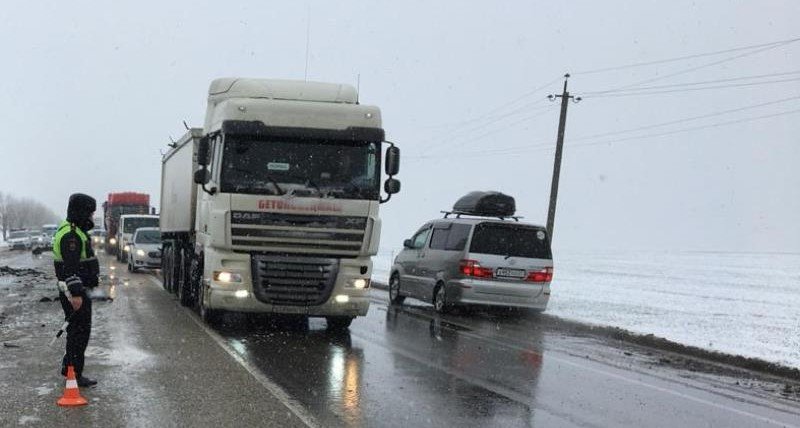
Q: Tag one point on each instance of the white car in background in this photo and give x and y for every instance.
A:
(19, 240)
(145, 249)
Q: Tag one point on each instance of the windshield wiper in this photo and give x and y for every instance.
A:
(310, 183)
(277, 186)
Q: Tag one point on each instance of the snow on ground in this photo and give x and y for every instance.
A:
(737, 303)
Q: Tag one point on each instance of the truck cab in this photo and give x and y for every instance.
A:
(273, 205)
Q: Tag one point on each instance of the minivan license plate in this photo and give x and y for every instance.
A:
(510, 273)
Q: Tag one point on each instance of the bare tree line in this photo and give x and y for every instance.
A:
(20, 213)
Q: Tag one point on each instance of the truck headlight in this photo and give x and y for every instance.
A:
(227, 277)
(126, 248)
(359, 283)
(112, 241)
(140, 253)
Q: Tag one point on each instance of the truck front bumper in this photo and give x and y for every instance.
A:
(219, 298)
(344, 300)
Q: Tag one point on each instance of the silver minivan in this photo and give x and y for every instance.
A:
(475, 261)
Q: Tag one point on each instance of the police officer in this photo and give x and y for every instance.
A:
(76, 267)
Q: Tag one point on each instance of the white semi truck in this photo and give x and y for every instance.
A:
(273, 205)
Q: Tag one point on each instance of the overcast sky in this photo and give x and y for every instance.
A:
(90, 95)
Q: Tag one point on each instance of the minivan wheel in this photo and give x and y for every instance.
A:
(440, 300)
(394, 290)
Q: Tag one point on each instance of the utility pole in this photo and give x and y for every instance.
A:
(562, 123)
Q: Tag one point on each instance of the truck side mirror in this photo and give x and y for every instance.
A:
(202, 152)
(202, 176)
(392, 161)
(391, 186)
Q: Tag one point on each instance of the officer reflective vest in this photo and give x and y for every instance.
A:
(88, 267)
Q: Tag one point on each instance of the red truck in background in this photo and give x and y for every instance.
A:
(119, 204)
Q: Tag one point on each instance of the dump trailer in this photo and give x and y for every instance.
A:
(119, 204)
(272, 206)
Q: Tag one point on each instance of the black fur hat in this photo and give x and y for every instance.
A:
(80, 208)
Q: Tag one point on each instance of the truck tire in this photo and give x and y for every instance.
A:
(165, 267)
(184, 284)
(196, 279)
(339, 323)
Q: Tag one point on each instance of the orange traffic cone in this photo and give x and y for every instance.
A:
(72, 396)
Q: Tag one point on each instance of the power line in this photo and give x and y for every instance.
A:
(695, 128)
(660, 124)
(710, 64)
(705, 82)
(488, 119)
(685, 57)
(499, 108)
(687, 119)
(433, 152)
(637, 92)
(548, 147)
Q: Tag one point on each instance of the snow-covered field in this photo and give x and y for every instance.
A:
(743, 304)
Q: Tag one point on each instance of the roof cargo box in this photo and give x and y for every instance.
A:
(486, 204)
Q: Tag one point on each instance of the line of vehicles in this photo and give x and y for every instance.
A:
(273, 207)
(30, 239)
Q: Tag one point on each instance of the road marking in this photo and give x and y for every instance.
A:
(276, 390)
(607, 373)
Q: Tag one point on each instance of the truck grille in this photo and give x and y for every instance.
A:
(297, 281)
(295, 233)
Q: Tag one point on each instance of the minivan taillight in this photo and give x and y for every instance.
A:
(473, 268)
(543, 275)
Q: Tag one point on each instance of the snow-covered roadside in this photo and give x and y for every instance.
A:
(737, 303)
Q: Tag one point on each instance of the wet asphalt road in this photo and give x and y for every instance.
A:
(399, 366)
(408, 366)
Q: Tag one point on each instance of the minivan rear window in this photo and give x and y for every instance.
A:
(510, 240)
(452, 238)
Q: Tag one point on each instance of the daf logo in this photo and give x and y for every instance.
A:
(246, 216)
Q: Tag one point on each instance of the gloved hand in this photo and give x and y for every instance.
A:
(75, 285)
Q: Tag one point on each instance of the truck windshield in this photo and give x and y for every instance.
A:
(131, 224)
(310, 168)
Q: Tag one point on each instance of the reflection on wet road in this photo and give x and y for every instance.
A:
(407, 366)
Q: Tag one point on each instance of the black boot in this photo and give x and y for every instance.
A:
(83, 382)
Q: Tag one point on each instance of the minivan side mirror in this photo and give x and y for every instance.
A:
(408, 243)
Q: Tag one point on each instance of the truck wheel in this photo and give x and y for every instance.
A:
(184, 284)
(165, 268)
(196, 277)
(210, 316)
(394, 290)
(339, 323)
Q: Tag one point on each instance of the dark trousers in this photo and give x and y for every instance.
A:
(78, 332)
